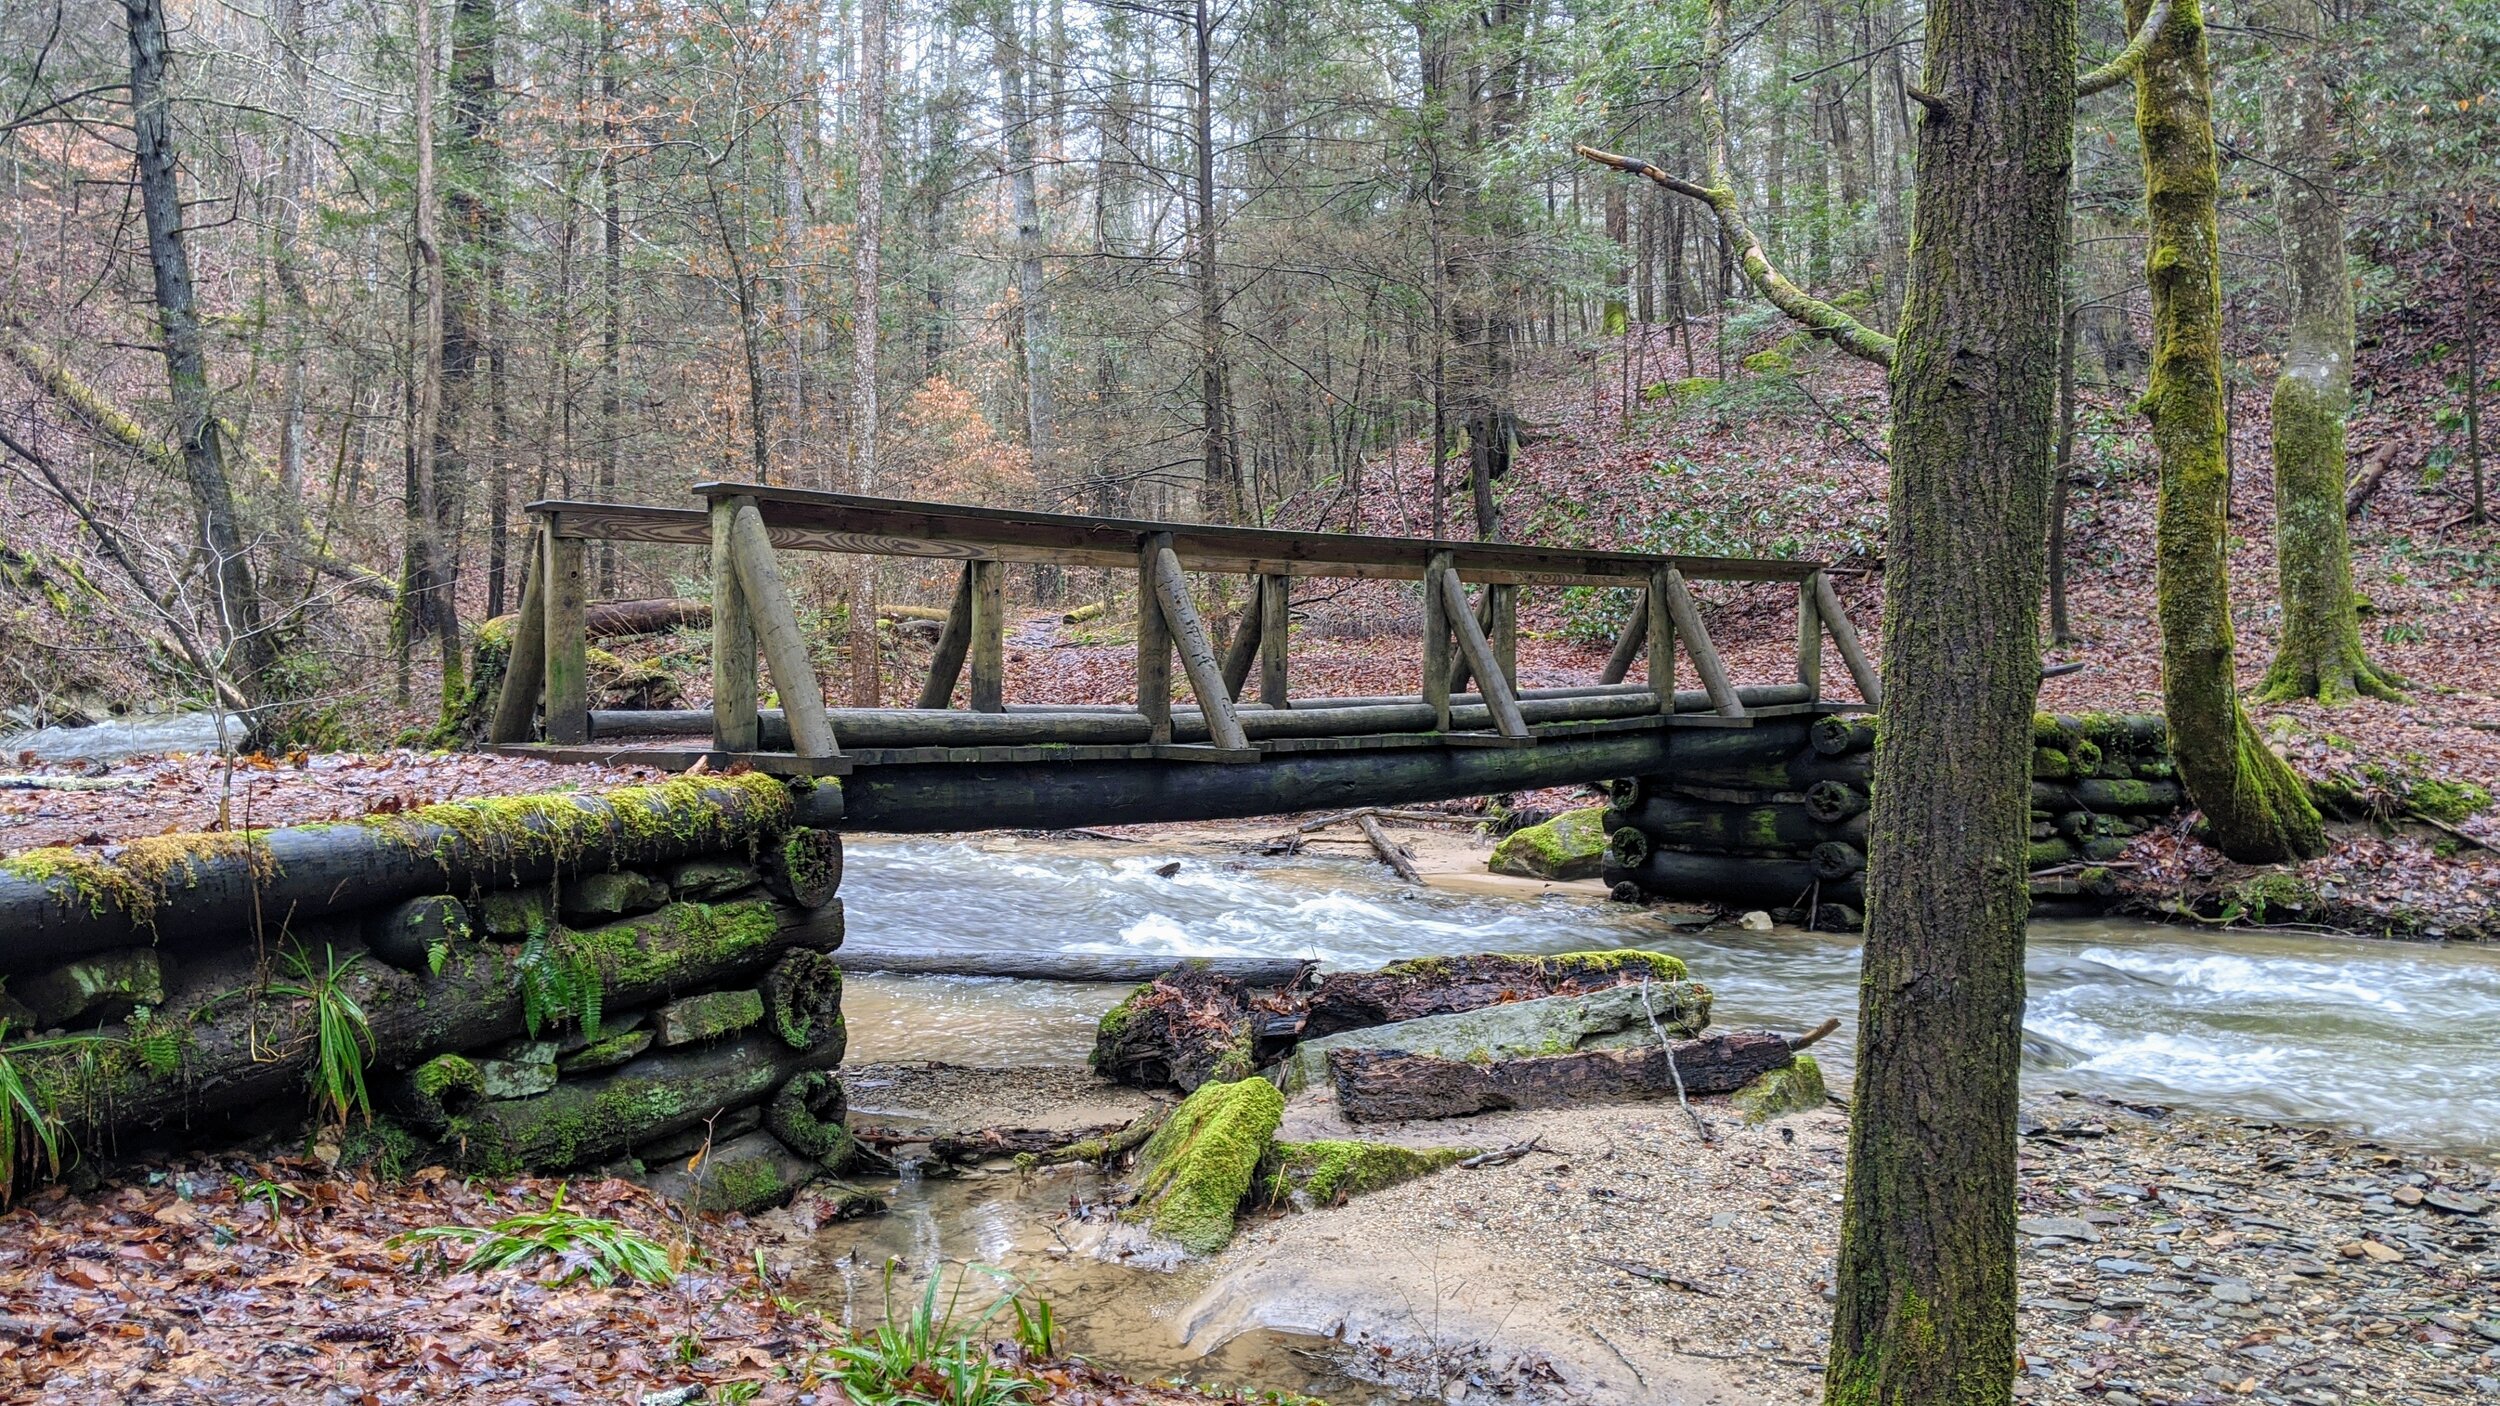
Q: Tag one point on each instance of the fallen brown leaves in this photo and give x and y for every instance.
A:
(224, 1282)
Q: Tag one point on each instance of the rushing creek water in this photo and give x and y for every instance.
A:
(2384, 1039)
(2392, 1040)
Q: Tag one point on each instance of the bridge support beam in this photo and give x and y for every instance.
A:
(1705, 655)
(568, 646)
(777, 630)
(1189, 634)
(1154, 644)
(988, 580)
(954, 641)
(734, 722)
(1275, 638)
(1490, 676)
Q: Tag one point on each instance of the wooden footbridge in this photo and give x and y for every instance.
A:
(1245, 747)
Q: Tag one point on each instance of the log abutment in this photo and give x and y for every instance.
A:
(1773, 817)
(548, 983)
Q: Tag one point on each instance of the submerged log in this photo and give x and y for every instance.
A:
(1381, 1086)
(586, 1121)
(197, 890)
(1254, 972)
(1190, 1028)
(1430, 986)
(983, 1144)
(221, 1042)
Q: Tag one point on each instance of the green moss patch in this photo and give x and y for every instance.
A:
(1197, 1168)
(1326, 1173)
(1795, 1089)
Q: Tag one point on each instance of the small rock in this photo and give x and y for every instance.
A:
(1722, 1220)
(618, 893)
(674, 1396)
(2488, 1328)
(2455, 1203)
(2119, 1266)
(2059, 1227)
(2407, 1195)
(2234, 1291)
(1756, 921)
(2120, 1398)
(2382, 1252)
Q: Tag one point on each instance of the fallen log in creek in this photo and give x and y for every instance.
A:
(1254, 972)
(1429, 986)
(1382, 1086)
(223, 1040)
(193, 890)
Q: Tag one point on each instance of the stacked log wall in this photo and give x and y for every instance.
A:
(1774, 816)
(550, 984)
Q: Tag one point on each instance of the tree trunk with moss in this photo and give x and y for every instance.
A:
(2320, 654)
(2256, 810)
(1924, 1307)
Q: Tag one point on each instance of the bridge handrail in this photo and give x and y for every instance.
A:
(806, 520)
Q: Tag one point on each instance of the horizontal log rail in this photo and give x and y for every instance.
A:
(1470, 608)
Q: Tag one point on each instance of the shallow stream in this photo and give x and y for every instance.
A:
(2392, 1041)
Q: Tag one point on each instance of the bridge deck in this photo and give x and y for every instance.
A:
(996, 763)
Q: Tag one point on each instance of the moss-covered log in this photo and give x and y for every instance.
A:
(195, 890)
(221, 1043)
(1429, 986)
(1201, 1163)
(1326, 1173)
(583, 1122)
(803, 865)
(1381, 1086)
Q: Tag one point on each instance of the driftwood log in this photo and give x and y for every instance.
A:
(1380, 1086)
(984, 1144)
(1447, 985)
(1189, 1028)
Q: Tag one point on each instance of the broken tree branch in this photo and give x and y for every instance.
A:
(2123, 65)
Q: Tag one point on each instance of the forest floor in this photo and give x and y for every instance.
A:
(235, 1282)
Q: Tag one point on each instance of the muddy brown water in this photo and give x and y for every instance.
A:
(2387, 1040)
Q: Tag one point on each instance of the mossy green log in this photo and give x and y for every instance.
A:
(1194, 1173)
(1795, 1089)
(201, 889)
(1327, 1172)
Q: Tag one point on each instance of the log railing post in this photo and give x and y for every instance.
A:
(1275, 638)
(947, 664)
(1845, 637)
(1505, 603)
(1154, 643)
(1189, 635)
(777, 630)
(989, 637)
(1660, 622)
(1490, 680)
(1243, 650)
(525, 655)
(1687, 617)
(734, 723)
(1437, 639)
(1628, 640)
(568, 645)
(1809, 638)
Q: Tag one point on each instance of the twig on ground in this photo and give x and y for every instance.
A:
(1669, 1046)
(1656, 1275)
(1503, 1156)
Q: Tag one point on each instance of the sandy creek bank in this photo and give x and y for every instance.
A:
(2167, 1257)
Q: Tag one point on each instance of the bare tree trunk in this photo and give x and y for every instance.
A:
(286, 19)
(426, 579)
(1924, 1295)
(1220, 490)
(864, 314)
(248, 650)
(612, 274)
(795, 134)
(1032, 292)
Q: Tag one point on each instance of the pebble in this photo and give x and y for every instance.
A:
(2059, 1227)
(2455, 1204)
(2119, 1266)
(2233, 1291)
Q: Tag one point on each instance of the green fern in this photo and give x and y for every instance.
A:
(157, 1042)
(559, 982)
(343, 1037)
(436, 954)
